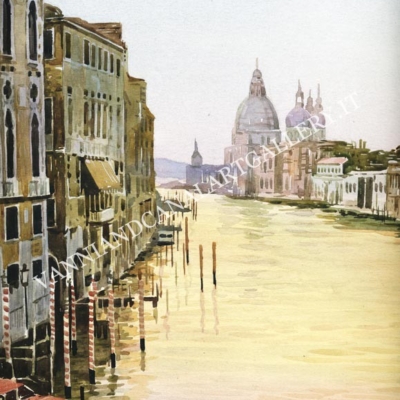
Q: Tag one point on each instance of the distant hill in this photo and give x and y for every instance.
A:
(170, 169)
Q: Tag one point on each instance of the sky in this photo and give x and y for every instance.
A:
(198, 57)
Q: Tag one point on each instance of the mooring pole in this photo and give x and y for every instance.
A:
(214, 256)
(201, 267)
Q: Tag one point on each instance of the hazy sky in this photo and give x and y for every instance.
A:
(198, 57)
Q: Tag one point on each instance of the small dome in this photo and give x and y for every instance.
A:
(298, 116)
(320, 122)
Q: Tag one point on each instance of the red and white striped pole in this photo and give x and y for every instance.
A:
(111, 324)
(6, 327)
(74, 342)
(52, 330)
(67, 356)
(92, 298)
(141, 316)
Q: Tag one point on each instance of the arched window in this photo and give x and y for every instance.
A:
(10, 145)
(261, 183)
(265, 166)
(35, 146)
(86, 118)
(32, 20)
(6, 27)
(266, 183)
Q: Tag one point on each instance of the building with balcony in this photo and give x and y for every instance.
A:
(84, 88)
(24, 192)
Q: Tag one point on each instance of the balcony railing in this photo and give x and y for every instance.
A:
(101, 216)
(17, 323)
(10, 189)
(91, 148)
(39, 188)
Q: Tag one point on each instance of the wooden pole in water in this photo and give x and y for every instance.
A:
(172, 255)
(214, 256)
(141, 316)
(111, 325)
(201, 266)
(166, 254)
(177, 239)
(74, 343)
(184, 259)
(187, 239)
(195, 217)
(92, 299)
(67, 359)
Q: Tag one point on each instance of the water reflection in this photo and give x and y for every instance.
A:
(302, 310)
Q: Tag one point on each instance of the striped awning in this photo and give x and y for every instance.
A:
(102, 174)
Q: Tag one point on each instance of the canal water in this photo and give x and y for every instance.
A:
(303, 309)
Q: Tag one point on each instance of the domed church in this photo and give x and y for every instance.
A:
(256, 128)
(256, 119)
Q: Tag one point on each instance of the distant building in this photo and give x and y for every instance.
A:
(201, 174)
(393, 189)
(24, 190)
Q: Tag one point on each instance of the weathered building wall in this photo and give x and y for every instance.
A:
(24, 187)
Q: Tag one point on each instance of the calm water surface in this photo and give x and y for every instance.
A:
(303, 310)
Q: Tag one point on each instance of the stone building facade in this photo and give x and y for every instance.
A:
(84, 72)
(139, 160)
(24, 191)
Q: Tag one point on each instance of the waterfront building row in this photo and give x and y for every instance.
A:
(77, 164)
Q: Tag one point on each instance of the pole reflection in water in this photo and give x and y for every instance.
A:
(215, 308)
(203, 312)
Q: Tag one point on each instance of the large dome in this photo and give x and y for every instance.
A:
(256, 113)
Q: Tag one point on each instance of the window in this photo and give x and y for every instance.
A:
(10, 144)
(51, 214)
(12, 224)
(86, 52)
(270, 163)
(86, 118)
(112, 63)
(99, 58)
(6, 27)
(265, 167)
(70, 111)
(37, 269)
(92, 119)
(105, 60)
(98, 120)
(93, 61)
(35, 146)
(67, 45)
(110, 114)
(13, 276)
(48, 116)
(48, 44)
(33, 45)
(261, 183)
(104, 122)
(37, 219)
(118, 67)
